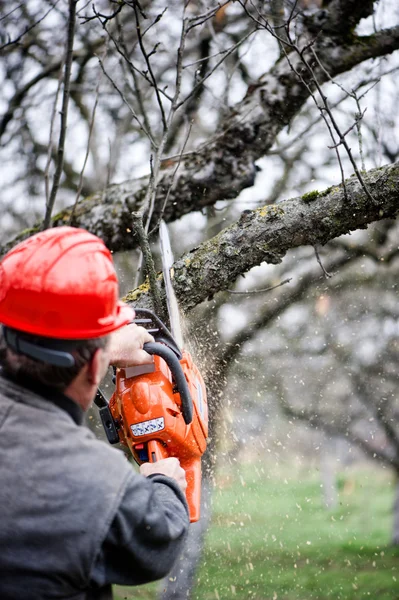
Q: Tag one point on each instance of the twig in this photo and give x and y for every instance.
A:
(11, 42)
(268, 289)
(323, 116)
(228, 52)
(172, 179)
(133, 112)
(277, 13)
(137, 219)
(149, 66)
(152, 187)
(132, 66)
(325, 108)
(325, 273)
(137, 87)
(91, 127)
(358, 117)
(64, 112)
(10, 12)
(149, 200)
(194, 63)
(334, 123)
(50, 141)
(201, 19)
(99, 16)
(83, 8)
(314, 122)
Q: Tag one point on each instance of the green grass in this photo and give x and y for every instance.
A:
(272, 539)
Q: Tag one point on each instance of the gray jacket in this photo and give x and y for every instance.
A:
(75, 517)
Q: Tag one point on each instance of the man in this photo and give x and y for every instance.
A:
(75, 516)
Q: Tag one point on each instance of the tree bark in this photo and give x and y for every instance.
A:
(180, 581)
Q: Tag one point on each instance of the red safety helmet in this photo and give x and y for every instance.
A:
(61, 283)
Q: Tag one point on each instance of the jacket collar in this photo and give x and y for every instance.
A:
(51, 394)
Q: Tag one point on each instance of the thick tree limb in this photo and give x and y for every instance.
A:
(349, 12)
(266, 234)
(343, 15)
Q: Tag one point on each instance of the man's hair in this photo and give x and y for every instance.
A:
(57, 377)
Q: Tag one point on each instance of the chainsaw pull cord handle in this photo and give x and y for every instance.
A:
(178, 375)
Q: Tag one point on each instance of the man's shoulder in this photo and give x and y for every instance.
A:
(46, 436)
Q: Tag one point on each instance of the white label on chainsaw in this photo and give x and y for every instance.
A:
(200, 398)
(148, 426)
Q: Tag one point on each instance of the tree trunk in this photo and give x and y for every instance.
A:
(328, 473)
(181, 580)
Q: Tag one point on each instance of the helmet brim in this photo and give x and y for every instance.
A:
(124, 315)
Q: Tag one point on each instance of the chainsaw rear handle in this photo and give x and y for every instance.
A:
(178, 375)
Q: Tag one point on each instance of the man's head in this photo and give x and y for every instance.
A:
(58, 302)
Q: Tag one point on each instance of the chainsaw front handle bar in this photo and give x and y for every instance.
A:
(178, 375)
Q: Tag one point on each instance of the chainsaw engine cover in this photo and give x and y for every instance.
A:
(147, 409)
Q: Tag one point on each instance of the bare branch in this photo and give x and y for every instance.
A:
(50, 141)
(141, 125)
(173, 179)
(27, 29)
(137, 220)
(325, 273)
(149, 66)
(366, 396)
(272, 311)
(215, 67)
(268, 289)
(64, 112)
(91, 126)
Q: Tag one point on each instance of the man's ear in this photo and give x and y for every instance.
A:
(95, 367)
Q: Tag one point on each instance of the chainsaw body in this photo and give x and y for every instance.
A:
(161, 410)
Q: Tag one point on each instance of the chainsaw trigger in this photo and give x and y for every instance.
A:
(172, 412)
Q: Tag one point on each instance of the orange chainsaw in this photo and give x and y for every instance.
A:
(160, 410)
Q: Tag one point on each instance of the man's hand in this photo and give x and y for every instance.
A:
(126, 346)
(167, 466)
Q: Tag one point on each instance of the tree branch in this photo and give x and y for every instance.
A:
(344, 15)
(64, 113)
(225, 166)
(266, 234)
